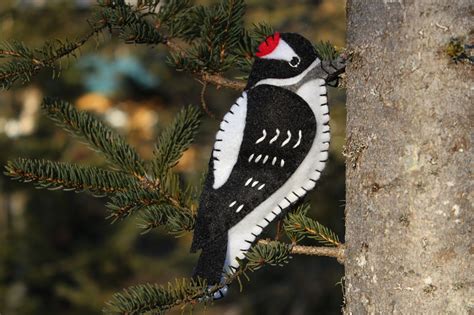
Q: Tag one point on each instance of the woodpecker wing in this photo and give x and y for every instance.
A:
(262, 141)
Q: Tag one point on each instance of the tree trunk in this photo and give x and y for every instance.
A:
(409, 213)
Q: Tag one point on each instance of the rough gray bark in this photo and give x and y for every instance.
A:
(409, 214)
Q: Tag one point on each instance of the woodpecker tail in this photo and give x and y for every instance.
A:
(210, 265)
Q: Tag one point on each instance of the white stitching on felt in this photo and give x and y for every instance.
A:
(287, 139)
(275, 137)
(262, 137)
(299, 139)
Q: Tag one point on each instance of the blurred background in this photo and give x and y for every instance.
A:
(58, 253)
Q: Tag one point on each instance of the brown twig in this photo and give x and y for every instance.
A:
(335, 252)
(203, 101)
(219, 81)
(278, 230)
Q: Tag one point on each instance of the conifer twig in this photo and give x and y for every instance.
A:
(215, 79)
(219, 81)
(335, 252)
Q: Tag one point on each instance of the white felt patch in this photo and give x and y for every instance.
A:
(301, 181)
(293, 80)
(228, 141)
(282, 52)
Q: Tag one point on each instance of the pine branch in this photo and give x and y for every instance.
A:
(326, 50)
(271, 253)
(175, 221)
(124, 204)
(130, 22)
(165, 204)
(299, 226)
(154, 298)
(29, 62)
(66, 176)
(174, 140)
(335, 252)
(99, 136)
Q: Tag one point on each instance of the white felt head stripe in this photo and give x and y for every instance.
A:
(282, 52)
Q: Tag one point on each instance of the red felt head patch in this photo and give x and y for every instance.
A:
(268, 45)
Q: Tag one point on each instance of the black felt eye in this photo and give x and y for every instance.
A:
(295, 61)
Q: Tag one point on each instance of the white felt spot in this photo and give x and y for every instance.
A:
(274, 160)
(255, 183)
(265, 159)
(258, 158)
(282, 163)
(239, 208)
(232, 204)
(226, 151)
(248, 181)
(261, 186)
(251, 157)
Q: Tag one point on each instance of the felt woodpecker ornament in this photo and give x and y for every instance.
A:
(269, 152)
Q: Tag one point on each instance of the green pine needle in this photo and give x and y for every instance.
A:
(176, 221)
(326, 50)
(124, 204)
(174, 140)
(273, 253)
(299, 226)
(66, 176)
(155, 298)
(99, 136)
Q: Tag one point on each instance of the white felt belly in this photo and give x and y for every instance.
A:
(228, 141)
(302, 180)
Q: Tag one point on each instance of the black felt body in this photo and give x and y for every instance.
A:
(270, 108)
